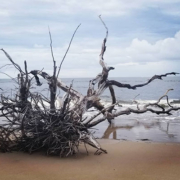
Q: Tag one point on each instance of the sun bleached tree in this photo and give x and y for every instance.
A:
(31, 124)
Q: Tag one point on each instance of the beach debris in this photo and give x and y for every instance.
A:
(33, 122)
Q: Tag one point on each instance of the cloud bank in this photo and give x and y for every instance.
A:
(144, 36)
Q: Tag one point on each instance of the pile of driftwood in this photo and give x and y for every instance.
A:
(31, 125)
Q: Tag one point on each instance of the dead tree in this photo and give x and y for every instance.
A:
(31, 125)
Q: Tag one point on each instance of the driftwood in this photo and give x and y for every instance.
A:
(31, 124)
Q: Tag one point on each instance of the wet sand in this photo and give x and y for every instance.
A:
(124, 161)
(137, 127)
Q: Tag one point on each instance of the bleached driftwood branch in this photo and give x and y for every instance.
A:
(150, 107)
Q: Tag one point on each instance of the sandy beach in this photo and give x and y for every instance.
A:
(125, 161)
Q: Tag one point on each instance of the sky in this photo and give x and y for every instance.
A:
(144, 36)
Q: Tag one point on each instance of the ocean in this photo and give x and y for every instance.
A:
(134, 127)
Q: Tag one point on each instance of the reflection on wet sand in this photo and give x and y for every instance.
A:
(112, 128)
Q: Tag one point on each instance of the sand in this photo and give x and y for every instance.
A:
(124, 161)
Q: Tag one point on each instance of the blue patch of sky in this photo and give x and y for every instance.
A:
(151, 24)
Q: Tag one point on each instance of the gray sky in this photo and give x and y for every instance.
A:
(144, 35)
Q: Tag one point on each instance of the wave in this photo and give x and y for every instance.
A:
(173, 102)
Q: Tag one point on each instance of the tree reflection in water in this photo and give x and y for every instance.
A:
(112, 128)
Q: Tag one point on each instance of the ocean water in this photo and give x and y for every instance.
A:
(134, 127)
(152, 91)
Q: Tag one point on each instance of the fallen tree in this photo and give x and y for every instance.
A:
(31, 124)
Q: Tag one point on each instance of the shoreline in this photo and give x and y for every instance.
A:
(125, 160)
(104, 141)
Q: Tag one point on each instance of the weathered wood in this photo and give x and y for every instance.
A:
(121, 85)
(30, 125)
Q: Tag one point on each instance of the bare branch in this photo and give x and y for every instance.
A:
(5, 65)
(113, 96)
(67, 50)
(118, 84)
(60, 84)
(9, 76)
(128, 111)
(104, 44)
(54, 62)
(15, 65)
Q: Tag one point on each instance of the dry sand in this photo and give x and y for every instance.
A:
(124, 161)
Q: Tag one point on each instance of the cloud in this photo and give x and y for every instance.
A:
(107, 8)
(141, 33)
(83, 55)
(142, 51)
